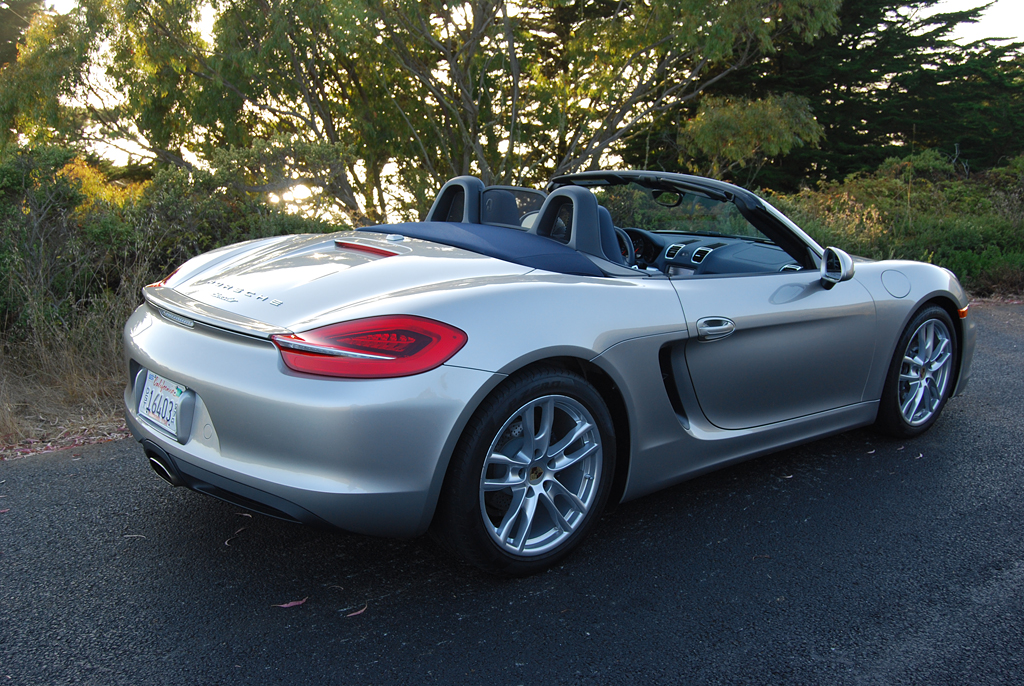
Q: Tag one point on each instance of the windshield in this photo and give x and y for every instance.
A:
(635, 206)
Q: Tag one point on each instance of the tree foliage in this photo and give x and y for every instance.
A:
(729, 134)
(374, 103)
(891, 79)
(888, 81)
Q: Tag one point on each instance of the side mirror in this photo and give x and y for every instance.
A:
(836, 267)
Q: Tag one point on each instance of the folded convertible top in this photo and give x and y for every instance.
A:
(510, 245)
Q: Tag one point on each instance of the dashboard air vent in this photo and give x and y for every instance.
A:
(700, 253)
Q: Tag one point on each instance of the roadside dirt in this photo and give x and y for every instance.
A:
(49, 434)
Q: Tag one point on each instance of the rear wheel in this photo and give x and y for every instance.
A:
(920, 378)
(530, 475)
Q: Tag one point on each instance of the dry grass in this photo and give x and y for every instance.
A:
(62, 389)
(42, 409)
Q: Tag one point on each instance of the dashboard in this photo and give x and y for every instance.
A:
(685, 254)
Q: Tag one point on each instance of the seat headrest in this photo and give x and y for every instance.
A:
(584, 228)
(609, 241)
(458, 201)
(499, 207)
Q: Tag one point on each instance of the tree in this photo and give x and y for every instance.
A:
(728, 135)
(554, 87)
(970, 106)
(374, 105)
(887, 81)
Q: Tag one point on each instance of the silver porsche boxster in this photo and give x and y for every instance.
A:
(500, 372)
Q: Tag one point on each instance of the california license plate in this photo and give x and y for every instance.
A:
(161, 399)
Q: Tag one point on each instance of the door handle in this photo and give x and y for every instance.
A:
(714, 328)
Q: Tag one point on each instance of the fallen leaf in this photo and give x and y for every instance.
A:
(294, 603)
(358, 612)
(234, 536)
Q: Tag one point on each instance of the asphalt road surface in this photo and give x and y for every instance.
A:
(852, 560)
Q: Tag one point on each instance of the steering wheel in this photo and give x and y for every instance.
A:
(626, 247)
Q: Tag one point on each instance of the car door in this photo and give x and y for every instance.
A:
(766, 348)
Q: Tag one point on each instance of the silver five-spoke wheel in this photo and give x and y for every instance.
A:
(539, 475)
(921, 376)
(925, 372)
(531, 473)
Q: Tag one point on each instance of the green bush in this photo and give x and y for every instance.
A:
(923, 207)
(76, 248)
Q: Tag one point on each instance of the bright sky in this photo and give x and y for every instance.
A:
(1005, 19)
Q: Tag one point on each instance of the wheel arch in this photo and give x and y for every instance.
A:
(949, 305)
(596, 376)
(612, 396)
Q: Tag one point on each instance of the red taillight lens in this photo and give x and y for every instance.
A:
(374, 348)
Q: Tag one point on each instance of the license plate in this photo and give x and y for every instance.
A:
(160, 400)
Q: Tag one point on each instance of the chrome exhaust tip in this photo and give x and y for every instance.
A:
(164, 470)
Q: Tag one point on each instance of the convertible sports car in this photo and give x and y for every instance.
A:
(500, 372)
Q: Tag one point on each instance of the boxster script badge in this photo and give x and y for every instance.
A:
(228, 288)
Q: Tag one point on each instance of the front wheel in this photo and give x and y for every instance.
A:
(920, 378)
(530, 475)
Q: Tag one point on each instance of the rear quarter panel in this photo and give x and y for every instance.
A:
(513, 321)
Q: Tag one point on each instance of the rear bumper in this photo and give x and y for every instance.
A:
(367, 456)
(179, 472)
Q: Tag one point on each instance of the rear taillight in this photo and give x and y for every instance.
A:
(374, 348)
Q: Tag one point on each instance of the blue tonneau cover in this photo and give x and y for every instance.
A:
(511, 245)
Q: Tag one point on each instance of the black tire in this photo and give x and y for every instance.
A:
(547, 500)
(898, 413)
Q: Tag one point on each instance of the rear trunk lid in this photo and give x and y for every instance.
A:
(293, 283)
